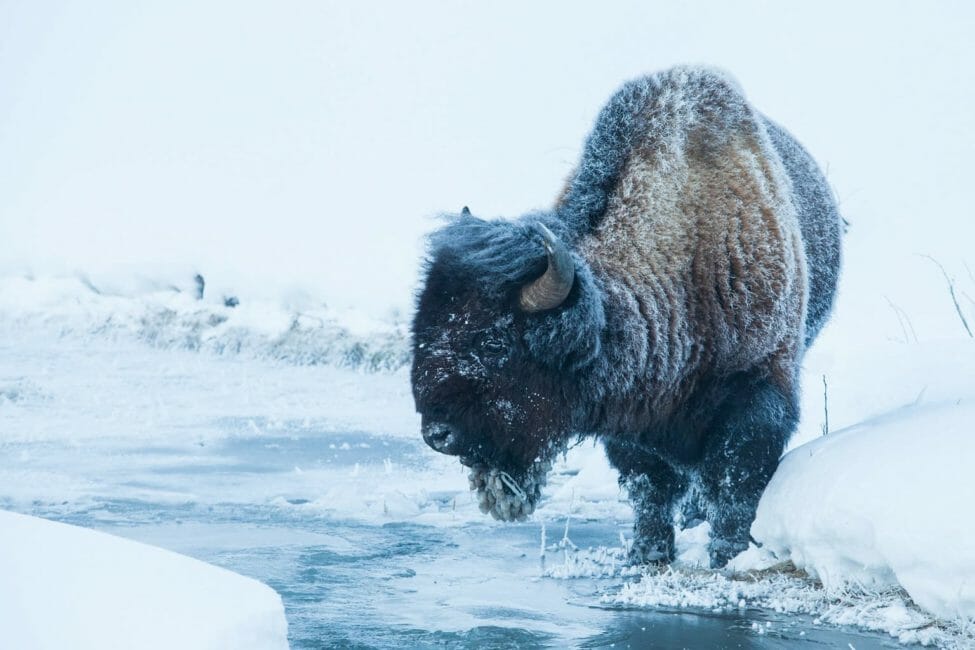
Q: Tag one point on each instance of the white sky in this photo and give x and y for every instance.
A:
(307, 145)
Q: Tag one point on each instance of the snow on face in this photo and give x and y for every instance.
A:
(481, 390)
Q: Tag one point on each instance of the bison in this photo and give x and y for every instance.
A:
(663, 305)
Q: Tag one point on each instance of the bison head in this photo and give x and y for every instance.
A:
(507, 321)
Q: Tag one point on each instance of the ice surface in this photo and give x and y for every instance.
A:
(68, 587)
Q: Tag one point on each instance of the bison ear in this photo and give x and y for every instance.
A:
(466, 212)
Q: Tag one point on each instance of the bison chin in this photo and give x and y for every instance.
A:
(507, 497)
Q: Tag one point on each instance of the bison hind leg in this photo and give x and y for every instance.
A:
(741, 454)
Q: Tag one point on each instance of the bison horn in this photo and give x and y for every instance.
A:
(550, 290)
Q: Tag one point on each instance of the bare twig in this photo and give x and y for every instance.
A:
(954, 298)
(85, 280)
(903, 319)
(920, 395)
(825, 407)
(565, 544)
(541, 550)
(200, 285)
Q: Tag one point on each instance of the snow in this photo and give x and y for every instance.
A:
(69, 587)
(784, 592)
(883, 504)
(293, 329)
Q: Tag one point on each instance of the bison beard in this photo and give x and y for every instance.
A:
(663, 305)
(499, 495)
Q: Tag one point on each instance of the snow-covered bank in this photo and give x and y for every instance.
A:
(296, 330)
(882, 504)
(67, 587)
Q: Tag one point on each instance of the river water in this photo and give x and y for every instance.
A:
(347, 583)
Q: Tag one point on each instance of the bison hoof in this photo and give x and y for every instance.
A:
(651, 553)
(720, 551)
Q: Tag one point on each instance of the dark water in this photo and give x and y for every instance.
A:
(348, 584)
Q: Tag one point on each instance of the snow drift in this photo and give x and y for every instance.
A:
(881, 504)
(67, 587)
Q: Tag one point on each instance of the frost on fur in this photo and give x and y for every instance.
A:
(672, 292)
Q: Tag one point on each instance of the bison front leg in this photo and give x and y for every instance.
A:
(741, 454)
(654, 488)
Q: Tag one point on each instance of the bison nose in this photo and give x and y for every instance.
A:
(441, 437)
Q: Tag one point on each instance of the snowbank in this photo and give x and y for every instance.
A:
(294, 329)
(881, 504)
(67, 587)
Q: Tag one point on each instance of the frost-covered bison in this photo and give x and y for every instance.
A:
(663, 305)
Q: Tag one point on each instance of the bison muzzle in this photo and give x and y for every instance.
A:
(663, 305)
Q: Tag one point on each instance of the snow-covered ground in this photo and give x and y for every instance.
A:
(169, 315)
(69, 587)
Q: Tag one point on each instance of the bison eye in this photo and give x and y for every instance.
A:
(491, 344)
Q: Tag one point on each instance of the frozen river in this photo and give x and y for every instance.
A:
(315, 482)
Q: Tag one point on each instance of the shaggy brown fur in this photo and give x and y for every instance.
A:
(702, 234)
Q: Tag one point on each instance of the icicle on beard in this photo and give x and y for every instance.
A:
(505, 498)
